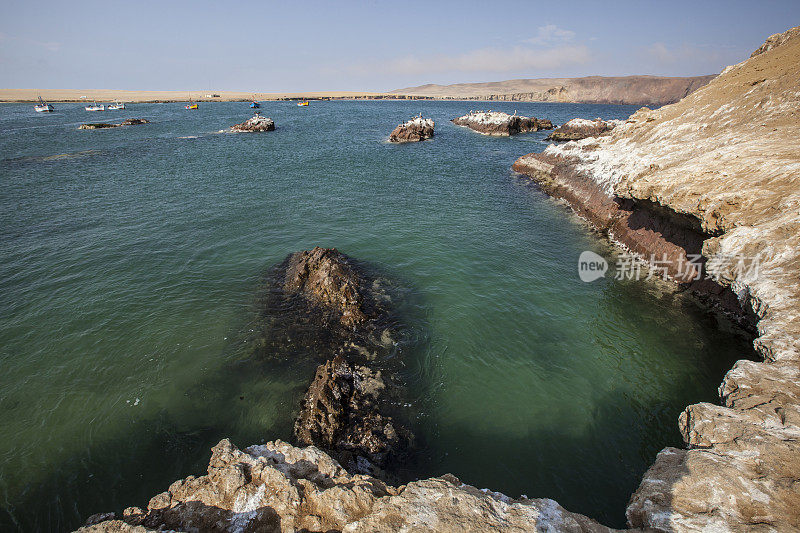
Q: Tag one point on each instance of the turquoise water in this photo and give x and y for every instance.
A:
(130, 259)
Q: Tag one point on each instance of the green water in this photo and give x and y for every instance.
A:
(130, 257)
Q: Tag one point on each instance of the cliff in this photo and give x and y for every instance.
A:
(636, 90)
(719, 173)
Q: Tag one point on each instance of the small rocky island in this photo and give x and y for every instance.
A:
(581, 128)
(254, 124)
(414, 130)
(499, 123)
(103, 125)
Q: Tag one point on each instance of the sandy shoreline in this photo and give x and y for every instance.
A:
(110, 95)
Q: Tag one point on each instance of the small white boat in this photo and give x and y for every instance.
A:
(43, 107)
(116, 105)
(95, 107)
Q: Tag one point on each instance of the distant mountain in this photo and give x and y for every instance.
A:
(636, 90)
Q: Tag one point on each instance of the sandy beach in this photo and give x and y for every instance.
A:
(110, 95)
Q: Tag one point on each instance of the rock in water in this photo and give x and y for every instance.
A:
(318, 303)
(498, 123)
(580, 128)
(255, 123)
(416, 129)
(342, 412)
(102, 125)
(276, 487)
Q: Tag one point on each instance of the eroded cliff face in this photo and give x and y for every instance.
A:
(727, 160)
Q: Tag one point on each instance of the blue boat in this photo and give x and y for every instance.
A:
(254, 105)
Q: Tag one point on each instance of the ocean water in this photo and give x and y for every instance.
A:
(130, 260)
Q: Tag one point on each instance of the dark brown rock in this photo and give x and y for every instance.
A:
(342, 414)
(103, 125)
(414, 130)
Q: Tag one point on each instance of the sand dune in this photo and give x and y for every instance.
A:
(109, 95)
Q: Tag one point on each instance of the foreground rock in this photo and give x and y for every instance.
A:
(498, 123)
(414, 130)
(254, 124)
(102, 125)
(343, 412)
(276, 487)
(580, 128)
(717, 173)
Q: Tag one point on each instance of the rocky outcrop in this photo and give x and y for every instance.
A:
(721, 166)
(416, 129)
(276, 487)
(499, 123)
(318, 303)
(254, 124)
(343, 412)
(102, 125)
(581, 128)
(631, 90)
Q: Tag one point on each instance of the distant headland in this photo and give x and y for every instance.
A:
(634, 90)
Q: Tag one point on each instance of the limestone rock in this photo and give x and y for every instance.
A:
(276, 487)
(416, 129)
(580, 128)
(498, 123)
(254, 124)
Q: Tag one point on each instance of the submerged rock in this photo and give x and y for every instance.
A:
(255, 123)
(102, 125)
(416, 129)
(580, 128)
(498, 123)
(276, 487)
(319, 303)
(342, 412)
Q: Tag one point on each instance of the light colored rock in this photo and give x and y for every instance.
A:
(277, 487)
(254, 124)
(499, 123)
(581, 128)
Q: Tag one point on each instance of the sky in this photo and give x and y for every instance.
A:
(365, 45)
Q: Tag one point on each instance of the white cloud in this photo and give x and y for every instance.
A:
(483, 60)
(550, 35)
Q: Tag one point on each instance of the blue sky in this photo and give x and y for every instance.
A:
(368, 45)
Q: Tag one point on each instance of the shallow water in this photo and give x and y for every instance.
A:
(130, 258)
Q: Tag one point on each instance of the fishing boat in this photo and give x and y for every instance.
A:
(254, 104)
(116, 105)
(43, 107)
(95, 107)
(303, 103)
(190, 105)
